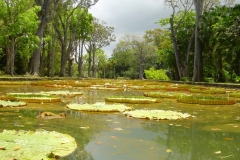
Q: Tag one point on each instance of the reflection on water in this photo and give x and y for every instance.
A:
(214, 132)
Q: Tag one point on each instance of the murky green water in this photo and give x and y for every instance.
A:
(214, 132)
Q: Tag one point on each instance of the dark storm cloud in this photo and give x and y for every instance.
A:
(129, 16)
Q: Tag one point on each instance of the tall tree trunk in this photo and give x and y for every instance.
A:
(197, 70)
(175, 47)
(42, 60)
(185, 67)
(51, 53)
(10, 55)
(80, 58)
(70, 68)
(35, 60)
(141, 64)
(220, 74)
(49, 60)
(93, 61)
(89, 60)
(44, 17)
(64, 59)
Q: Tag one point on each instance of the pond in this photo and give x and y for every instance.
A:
(213, 131)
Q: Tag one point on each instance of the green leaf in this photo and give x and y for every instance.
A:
(41, 144)
(157, 114)
(99, 107)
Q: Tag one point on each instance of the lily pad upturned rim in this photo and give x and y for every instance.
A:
(39, 144)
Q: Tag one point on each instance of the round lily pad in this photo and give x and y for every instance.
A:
(157, 114)
(12, 104)
(40, 144)
(162, 94)
(205, 100)
(33, 97)
(62, 93)
(137, 100)
(99, 107)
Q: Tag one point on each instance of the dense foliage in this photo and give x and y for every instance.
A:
(53, 43)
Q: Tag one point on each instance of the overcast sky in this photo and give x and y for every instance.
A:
(132, 17)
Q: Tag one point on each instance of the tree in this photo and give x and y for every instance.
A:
(218, 33)
(83, 34)
(175, 24)
(19, 20)
(48, 8)
(100, 63)
(101, 36)
(198, 62)
(66, 27)
(138, 48)
(182, 36)
(197, 69)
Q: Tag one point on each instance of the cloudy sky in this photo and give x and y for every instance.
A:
(132, 17)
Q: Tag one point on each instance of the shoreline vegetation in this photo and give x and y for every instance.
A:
(37, 78)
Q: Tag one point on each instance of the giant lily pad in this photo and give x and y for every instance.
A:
(99, 107)
(12, 104)
(140, 100)
(162, 94)
(157, 114)
(63, 93)
(205, 100)
(33, 97)
(41, 144)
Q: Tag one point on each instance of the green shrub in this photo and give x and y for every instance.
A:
(237, 79)
(156, 74)
(185, 79)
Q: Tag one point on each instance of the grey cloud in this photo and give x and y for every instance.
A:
(129, 16)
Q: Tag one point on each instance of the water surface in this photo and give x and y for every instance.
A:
(212, 133)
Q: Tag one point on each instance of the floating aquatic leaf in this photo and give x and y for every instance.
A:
(217, 152)
(99, 107)
(33, 97)
(124, 99)
(205, 100)
(63, 93)
(11, 104)
(157, 114)
(40, 144)
(162, 94)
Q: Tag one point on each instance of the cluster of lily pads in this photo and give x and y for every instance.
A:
(21, 99)
(199, 95)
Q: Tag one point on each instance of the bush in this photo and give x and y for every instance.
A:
(156, 74)
(185, 79)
